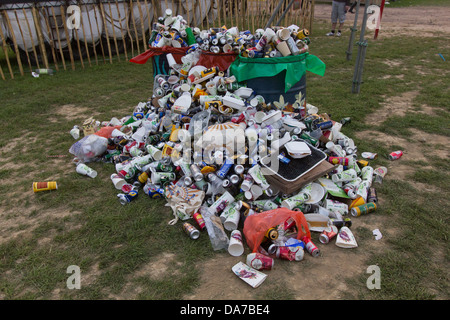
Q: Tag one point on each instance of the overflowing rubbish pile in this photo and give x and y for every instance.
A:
(232, 166)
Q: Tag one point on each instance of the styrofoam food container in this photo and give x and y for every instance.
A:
(297, 149)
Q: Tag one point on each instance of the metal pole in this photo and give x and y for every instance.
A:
(274, 13)
(352, 34)
(361, 65)
(284, 12)
(362, 46)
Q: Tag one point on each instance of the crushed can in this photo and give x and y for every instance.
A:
(395, 155)
(127, 198)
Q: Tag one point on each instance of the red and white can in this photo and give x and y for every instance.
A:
(199, 219)
(328, 234)
(259, 261)
(311, 247)
(395, 155)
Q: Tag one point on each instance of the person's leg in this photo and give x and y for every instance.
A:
(341, 14)
(334, 18)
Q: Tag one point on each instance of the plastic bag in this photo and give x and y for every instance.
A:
(220, 60)
(256, 225)
(217, 235)
(89, 147)
(184, 201)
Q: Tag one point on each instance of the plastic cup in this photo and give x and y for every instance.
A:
(117, 181)
(171, 60)
(247, 183)
(284, 34)
(235, 247)
(269, 34)
(232, 219)
(154, 152)
(256, 191)
(211, 88)
(85, 170)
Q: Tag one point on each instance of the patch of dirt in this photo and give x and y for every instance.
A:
(394, 106)
(412, 21)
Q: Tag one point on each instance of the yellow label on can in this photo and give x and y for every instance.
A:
(213, 104)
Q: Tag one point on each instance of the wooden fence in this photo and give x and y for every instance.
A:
(37, 34)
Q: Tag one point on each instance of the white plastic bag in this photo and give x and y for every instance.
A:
(89, 147)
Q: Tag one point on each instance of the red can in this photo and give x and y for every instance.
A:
(310, 247)
(199, 219)
(395, 155)
(289, 223)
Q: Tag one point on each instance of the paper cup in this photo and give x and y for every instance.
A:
(117, 181)
(283, 48)
(211, 88)
(284, 34)
(235, 247)
(154, 152)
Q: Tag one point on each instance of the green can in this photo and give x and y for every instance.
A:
(363, 209)
(154, 138)
(313, 141)
(164, 167)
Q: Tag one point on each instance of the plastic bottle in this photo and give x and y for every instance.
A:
(218, 237)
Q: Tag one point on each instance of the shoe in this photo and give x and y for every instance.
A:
(338, 34)
(330, 34)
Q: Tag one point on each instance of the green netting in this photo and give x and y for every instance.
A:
(295, 66)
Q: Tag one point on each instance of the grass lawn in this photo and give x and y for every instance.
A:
(82, 223)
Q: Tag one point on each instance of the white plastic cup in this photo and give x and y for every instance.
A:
(256, 191)
(284, 34)
(232, 219)
(211, 88)
(117, 181)
(247, 183)
(86, 171)
(236, 247)
(269, 34)
(171, 60)
(154, 152)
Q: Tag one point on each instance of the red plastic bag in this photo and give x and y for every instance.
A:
(105, 132)
(256, 225)
(220, 60)
(177, 54)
